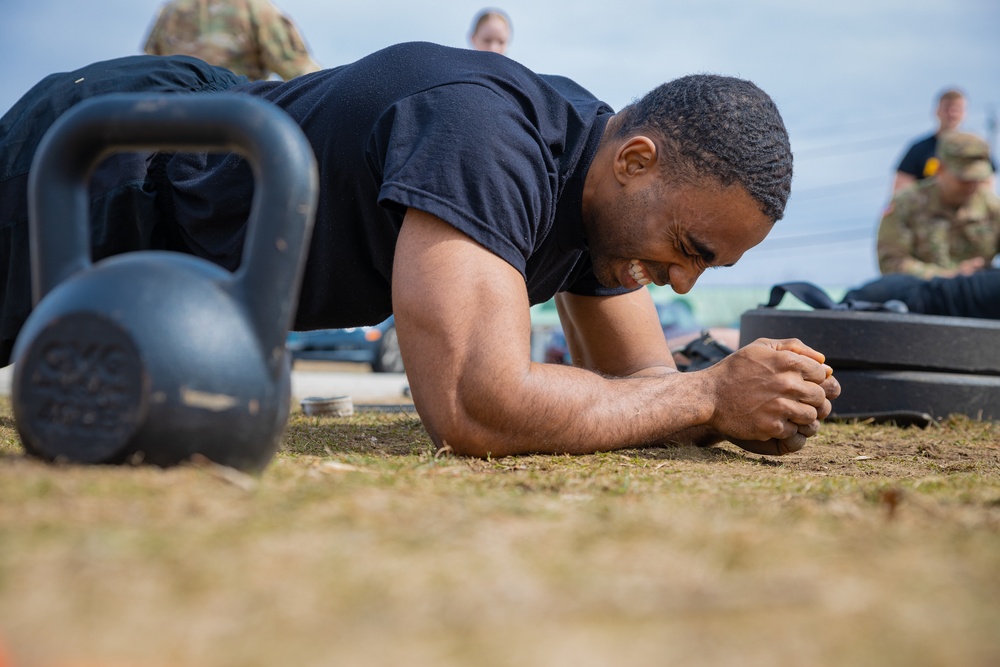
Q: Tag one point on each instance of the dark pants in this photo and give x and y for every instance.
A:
(977, 295)
(125, 204)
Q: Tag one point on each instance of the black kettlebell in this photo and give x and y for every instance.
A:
(156, 356)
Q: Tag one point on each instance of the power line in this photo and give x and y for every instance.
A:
(858, 146)
(839, 188)
(794, 221)
(873, 143)
(894, 120)
(851, 235)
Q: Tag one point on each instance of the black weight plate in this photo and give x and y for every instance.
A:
(870, 392)
(862, 339)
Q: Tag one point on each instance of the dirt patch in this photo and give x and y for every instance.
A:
(361, 544)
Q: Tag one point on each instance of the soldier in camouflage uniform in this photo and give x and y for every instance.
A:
(249, 37)
(948, 224)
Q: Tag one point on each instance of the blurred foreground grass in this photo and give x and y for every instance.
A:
(360, 545)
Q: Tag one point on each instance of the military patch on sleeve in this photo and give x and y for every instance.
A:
(931, 166)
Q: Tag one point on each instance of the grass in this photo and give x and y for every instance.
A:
(362, 545)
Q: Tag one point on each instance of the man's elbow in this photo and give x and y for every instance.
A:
(462, 436)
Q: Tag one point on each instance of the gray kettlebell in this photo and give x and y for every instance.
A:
(156, 356)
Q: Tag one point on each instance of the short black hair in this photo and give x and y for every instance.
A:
(722, 127)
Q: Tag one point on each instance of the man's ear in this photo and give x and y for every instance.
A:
(636, 157)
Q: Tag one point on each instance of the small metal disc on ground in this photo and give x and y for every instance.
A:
(337, 406)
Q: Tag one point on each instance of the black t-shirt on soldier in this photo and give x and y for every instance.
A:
(919, 160)
(474, 138)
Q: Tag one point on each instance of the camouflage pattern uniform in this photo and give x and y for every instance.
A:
(249, 37)
(922, 236)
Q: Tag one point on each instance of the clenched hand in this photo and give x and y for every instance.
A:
(771, 395)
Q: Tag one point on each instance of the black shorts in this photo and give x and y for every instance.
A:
(124, 203)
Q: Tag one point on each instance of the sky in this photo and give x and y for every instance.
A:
(856, 81)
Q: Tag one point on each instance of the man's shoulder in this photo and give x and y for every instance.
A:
(915, 157)
(567, 87)
(915, 200)
(920, 193)
(986, 202)
(929, 141)
(416, 68)
(922, 144)
(921, 148)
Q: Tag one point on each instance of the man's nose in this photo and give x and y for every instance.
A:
(683, 278)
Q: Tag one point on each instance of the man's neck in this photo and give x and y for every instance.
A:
(600, 167)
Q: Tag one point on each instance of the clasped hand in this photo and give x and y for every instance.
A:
(771, 395)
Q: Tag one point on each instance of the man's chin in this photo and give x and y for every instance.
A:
(606, 275)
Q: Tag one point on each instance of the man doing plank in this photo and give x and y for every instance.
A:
(459, 188)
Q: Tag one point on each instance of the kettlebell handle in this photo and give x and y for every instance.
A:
(281, 215)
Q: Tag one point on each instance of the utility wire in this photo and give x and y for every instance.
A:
(850, 235)
(867, 123)
(818, 191)
(973, 119)
(833, 144)
(852, 147)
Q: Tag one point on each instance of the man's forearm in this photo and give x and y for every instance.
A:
(913, 267)
(559, 409)
(768, 391)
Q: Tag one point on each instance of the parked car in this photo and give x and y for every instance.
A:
(376, 345)
(676, 319)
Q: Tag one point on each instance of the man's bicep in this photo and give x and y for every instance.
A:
(461, 314)
(614, 335)
(431, 149)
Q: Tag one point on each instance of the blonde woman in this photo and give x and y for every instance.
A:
(491, 31)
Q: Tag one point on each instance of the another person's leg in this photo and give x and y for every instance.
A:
(977, 295)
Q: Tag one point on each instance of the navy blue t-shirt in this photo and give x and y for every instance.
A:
(474, 138)
(915, 161)
(920, 160)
